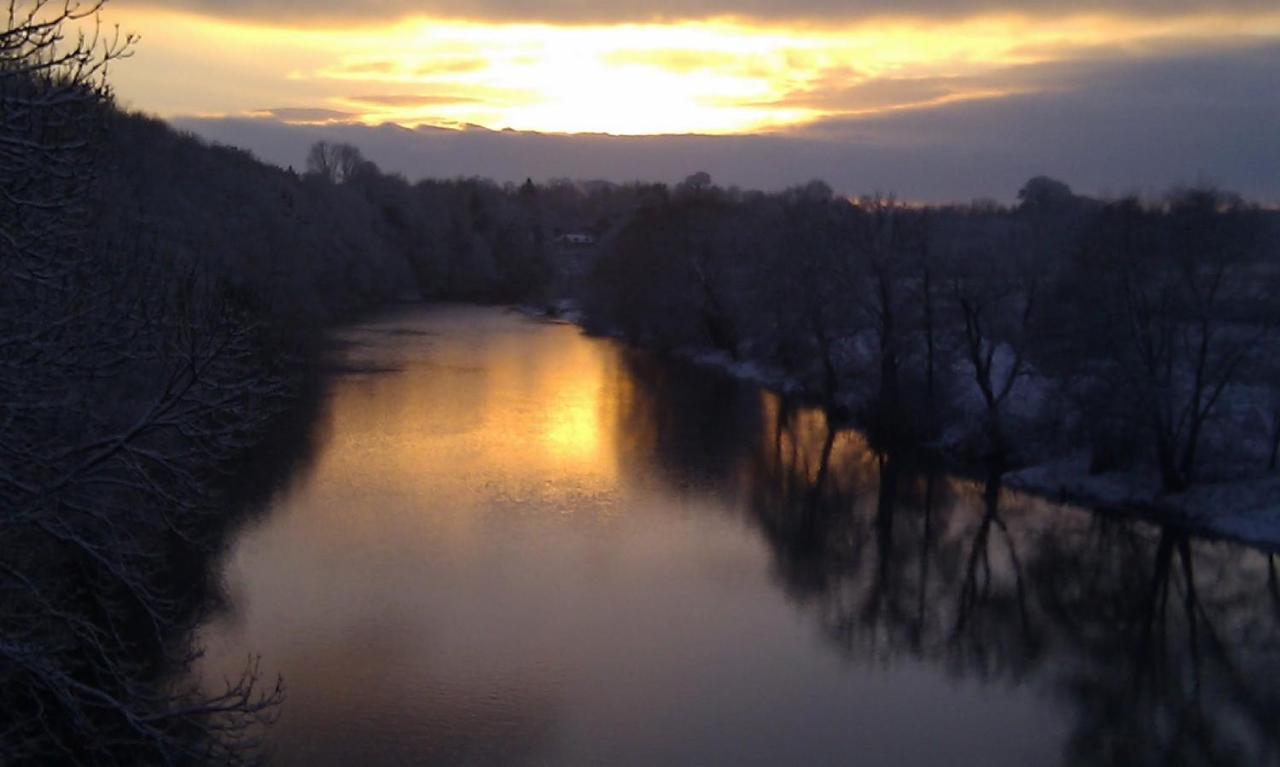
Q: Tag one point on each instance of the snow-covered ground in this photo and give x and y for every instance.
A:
(1245, 510)
(746, 370)
(1240, 505)
(1235, 501)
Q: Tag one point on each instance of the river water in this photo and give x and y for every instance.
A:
(513, 544)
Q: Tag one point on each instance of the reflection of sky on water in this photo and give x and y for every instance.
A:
(529, 546)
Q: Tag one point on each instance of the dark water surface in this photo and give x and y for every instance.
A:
(515, 544)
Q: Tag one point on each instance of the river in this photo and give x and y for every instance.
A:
(514, 544)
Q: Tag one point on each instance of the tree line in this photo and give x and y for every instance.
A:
(1139, 331)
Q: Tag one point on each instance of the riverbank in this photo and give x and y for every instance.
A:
(1243, 509)
(1246, 510)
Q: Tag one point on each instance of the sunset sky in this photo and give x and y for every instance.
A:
(1180, 88)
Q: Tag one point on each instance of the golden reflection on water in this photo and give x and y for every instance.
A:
(503, 413)
(573, 431)
(802, 439)
(519, 544)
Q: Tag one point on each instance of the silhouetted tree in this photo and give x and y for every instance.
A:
(122, 387)
(1170, 286)
(336, 163)
(997, 300)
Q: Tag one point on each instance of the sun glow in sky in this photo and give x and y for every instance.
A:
(709, 76)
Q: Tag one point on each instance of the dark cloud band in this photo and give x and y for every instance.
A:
(313, 12)
(1122, 126)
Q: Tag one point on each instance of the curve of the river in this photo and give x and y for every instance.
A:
(513, 544)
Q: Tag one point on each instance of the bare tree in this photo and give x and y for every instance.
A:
(886, 241)
(927, 294)
(336, 163)
(806, 295)
(126, 381)
(997, 300)
(1175, 283)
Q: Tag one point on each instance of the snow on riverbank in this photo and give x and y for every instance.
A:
(745, 370)
(1246, 509)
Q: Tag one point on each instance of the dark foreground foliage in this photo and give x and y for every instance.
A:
(155, 318)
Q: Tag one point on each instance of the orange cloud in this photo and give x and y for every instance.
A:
(718, 76)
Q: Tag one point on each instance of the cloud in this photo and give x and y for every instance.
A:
(839, 93)
(685, 61)
(1212, 94)
(1110, 125)
(309, 12)
(305, 115)
(435, 64)
(408, 100)
(1117, 125)
(715, 77)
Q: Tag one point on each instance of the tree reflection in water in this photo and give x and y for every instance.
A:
(1164, 647)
